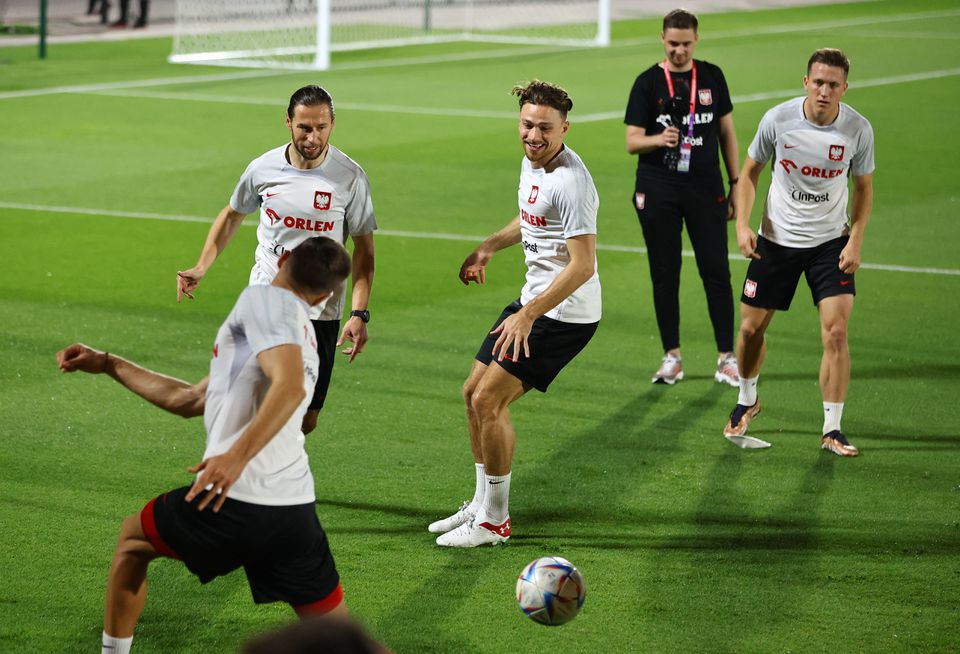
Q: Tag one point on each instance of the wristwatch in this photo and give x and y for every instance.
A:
(362, 314)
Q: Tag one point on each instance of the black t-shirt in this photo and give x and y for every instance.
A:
(649, 105)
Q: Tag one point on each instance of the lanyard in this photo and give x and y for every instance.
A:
(693, 92)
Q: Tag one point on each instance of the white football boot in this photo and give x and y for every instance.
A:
(463, 515)
(727, 371)
(476, 532)
(670, 371)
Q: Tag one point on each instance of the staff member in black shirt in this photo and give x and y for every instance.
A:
(679, 111)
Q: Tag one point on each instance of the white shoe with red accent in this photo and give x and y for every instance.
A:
(727, 372)
(463, 515)
(670, 371)
(476, 532)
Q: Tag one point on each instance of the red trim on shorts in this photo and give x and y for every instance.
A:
(327, 604)
(149, 525)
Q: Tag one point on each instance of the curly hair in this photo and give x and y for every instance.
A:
(538, 92)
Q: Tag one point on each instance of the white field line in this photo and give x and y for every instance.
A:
(466, 56)
(406, 234)
(273, 102)
(509, 115)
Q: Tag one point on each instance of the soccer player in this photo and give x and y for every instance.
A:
(678, 113)
(816, 144)
(252, 501)
(555, 317)
(304, 188)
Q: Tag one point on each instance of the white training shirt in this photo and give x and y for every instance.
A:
(556, 203)
(331, 200)
(263, 317)
(807, 202)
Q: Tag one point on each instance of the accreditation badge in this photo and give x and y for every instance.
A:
(683, 164)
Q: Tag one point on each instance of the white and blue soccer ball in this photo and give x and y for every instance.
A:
(551, 591)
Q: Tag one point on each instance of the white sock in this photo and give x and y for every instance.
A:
(832, 412)
(113, 645)
(496, 498)
(748, 391)
(479, 488)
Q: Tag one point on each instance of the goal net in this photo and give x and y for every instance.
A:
(303, 33)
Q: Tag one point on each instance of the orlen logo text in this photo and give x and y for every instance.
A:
(803, 196)
(810, 171)
(292, 222)
(530, 219)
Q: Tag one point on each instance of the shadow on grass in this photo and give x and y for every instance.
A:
(422, 515)
(621, 433)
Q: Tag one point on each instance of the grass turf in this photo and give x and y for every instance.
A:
(686, 543)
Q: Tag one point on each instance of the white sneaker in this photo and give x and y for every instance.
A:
(463, 515)
(476, 533)
(670, 372)
(727, 372)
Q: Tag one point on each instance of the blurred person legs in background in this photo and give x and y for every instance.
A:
(124, 19)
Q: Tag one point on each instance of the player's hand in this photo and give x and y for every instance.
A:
(731, 205)
(187, 281)
(670, 137)
(355, 331)
(850, 258)
(80, 357)
(512, 334)
(217, 475)
(747, 241)
(474, 267)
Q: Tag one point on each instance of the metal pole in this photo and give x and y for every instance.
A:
(43, 29)
(427, 19)
(322, 57)
(603, 23)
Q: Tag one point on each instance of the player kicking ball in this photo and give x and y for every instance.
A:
(817, 144)
(251, 504)
(553, 320)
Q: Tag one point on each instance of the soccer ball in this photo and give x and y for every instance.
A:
(551, 591)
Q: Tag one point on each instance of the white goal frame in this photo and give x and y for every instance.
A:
(318, 55)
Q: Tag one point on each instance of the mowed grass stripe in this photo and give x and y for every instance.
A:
(506, 115)
(443, 236)
(455, 57)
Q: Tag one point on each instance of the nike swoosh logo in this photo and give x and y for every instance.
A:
(842, 283)
(785, 147)
(493, 483)
(270, 195)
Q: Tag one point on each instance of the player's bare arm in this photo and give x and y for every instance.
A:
(283, 366)
(861, 206)
(220, 234)
(638, 142)
(169, 393)
(731, 159)
(746, 193)
(355, 330)
(513, 332)
(474, 266)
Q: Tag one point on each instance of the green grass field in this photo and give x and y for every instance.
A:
(686, 543)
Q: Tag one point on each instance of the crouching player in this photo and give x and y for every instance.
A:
(251, 504)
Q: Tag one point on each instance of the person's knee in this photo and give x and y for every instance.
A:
(835, 336)
(751, 330)
(485, 405)
(469, 388)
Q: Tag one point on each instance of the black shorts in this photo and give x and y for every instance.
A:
(282, 549)
(772, 280)
(553, 344)
(327, 332)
